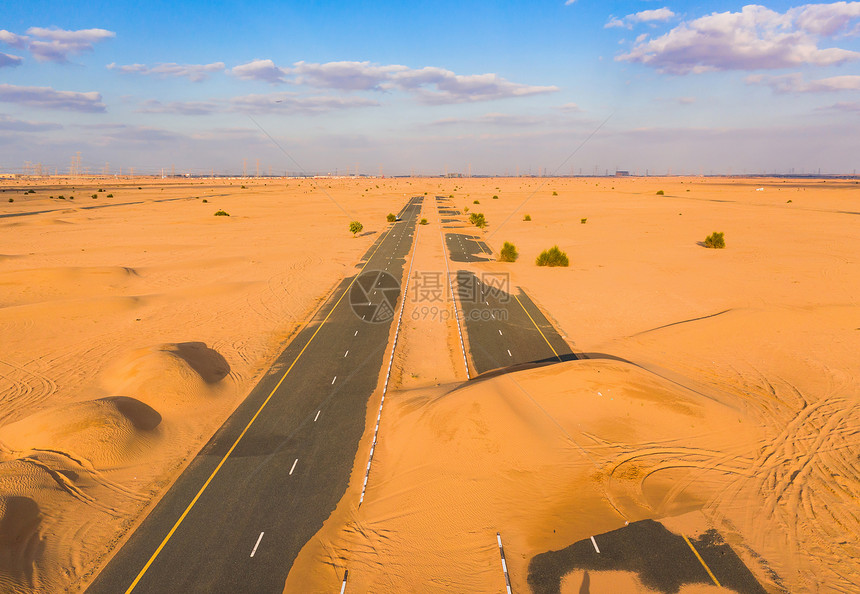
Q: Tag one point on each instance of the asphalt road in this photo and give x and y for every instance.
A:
(235, 520)
(663, 560)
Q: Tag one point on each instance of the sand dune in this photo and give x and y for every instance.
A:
(546, 456)
(79, 472)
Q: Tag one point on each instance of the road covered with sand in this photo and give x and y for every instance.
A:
(719, 393)
(720, 388)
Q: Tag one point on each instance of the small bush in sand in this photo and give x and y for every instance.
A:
(61, 197)
(715, 240)
(508, 253)
(661, 193)
(554, 193)
(110, 195)
(244, 188)
(355, 228)
(583, 221)
(552, 257)
(94, 196)
(422, 222)
(476, 201)
(527, 217)
(391, 217)
(495, 197)
(466, 209)
(101, 189)
(478, 220)
(222, 213)
(11, 200)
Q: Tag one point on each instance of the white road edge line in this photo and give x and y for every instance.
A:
(259, 538)
(454, 301)
(504, 563)
(594, 542)
(403, 295)
(509, 355)
(294, 466)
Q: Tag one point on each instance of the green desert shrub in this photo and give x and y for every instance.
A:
(476, 201)
(478, 220)
(495, 197)
(508, 253)
(583, 221)
(244, 188)
(110, 195)
(11, 200)
(715, 240)
(552, 257)
(661, 193)
(391, 217)
(101, 189)
(554, 193)
(528, 217)
(422, 222)
(205, 201)
(222, 213)
(94, 196)
(355, 228)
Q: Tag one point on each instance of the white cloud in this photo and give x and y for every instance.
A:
(293, 103)
(569, 107)
(53, 44)
(9, 124)
(264, 70)
(429, 84)
(754, 38)
(194, 72)
(494, 119)
(179, 107)
(9, 60)
(264, 103)
(13, 39)
(645, 16)
(825, 19)
(48, 98)
(844, 106)
(795, 83)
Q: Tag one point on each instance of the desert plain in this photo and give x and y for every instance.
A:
(714, 389)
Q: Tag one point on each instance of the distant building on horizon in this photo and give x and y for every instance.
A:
(621, 173)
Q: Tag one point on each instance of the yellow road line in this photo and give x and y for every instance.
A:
(248, 426)
(702, 561)
(538, 327)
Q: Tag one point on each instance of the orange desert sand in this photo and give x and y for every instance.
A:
(720, 388)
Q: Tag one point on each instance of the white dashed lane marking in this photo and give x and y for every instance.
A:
(294, 466)
(594, 542)
(316, 417)
(509, 353)
(259, 538)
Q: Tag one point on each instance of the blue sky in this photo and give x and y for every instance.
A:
(722, 87)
